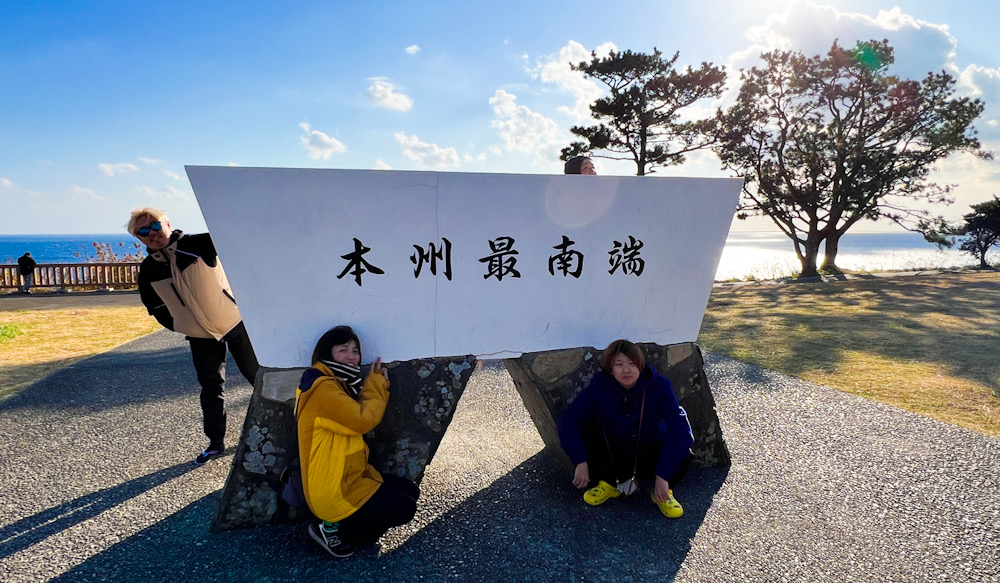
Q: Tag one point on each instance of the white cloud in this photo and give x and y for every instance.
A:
(120, 168)
(76, 191)
(920, 47)
(165, 193)
(380, 165)
(173, 175)
(318, 144)
(150, 161)
(5, 182)
(984, 84)
(412, 50)
(383, 94)
(523, 130)
(427, 154)
(981, 81)
(481, 157)
(234, 164)
(556, 69)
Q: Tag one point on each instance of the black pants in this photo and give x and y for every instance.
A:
(393, 504)
(616, 464)
(209, 356)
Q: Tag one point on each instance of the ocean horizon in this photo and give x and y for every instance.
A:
(748, 255)
(63, 248)
(766, 255)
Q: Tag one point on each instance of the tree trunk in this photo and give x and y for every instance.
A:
(830, 260)
(808, 256)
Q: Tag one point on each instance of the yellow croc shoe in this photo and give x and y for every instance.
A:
(600, 493)
(671, 508)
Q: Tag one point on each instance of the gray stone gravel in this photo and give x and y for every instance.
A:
(97, 485)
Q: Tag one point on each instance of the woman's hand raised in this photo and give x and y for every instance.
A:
(378, 369)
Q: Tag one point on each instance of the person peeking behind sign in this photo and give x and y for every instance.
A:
(354, 502)
(182, 284)
(579, 165)
(627, 425)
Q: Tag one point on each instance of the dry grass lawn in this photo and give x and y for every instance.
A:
(43, 341)
(929, 344)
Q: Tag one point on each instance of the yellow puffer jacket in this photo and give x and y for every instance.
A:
(336, 476)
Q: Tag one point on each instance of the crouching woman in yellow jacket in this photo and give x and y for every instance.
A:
(355, 503)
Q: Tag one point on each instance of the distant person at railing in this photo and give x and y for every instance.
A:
(183, 286)
(579, 165)
(26, 266)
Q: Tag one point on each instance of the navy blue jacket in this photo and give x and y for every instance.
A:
(617, 412)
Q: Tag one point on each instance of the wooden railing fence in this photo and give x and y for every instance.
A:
(66, 276)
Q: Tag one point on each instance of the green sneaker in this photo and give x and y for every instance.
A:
(600, 493)
(671, 508)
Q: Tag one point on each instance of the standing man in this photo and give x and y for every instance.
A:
(183, 286)
(26, 265)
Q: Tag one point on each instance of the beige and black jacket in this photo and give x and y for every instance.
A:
(185, 288)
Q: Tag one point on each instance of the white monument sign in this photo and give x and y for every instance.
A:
(426, 264)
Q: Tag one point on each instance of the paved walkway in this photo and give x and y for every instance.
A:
(97, 485)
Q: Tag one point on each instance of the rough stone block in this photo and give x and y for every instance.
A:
(422, 400)
(549, 381)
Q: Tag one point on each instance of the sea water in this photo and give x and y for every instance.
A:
(759, 255)
(763, 255)
(63, 248)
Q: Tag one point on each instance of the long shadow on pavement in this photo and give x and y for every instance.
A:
(529, 525)
(30, 530)
(149, 369)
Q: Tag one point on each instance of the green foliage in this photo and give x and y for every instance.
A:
(979, 231)
(8, 331)
(640, 119)
(982, 229)
(939, 232)
(825, 142)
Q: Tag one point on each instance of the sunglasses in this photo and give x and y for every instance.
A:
(144, 231)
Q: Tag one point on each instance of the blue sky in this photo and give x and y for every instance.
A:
(103, 103)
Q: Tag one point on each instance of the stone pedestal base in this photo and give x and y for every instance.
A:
(422, 399)
(549, 381)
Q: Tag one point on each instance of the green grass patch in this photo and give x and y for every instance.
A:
(8, 331)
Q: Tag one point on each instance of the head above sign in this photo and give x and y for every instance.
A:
(579, 165)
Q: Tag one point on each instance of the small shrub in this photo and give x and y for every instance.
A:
(107, 254)
(8, 331)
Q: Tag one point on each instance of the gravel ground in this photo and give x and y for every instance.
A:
(98, 486)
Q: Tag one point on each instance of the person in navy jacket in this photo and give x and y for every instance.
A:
(627, 424)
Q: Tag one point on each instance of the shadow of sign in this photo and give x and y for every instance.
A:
(530, 525)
